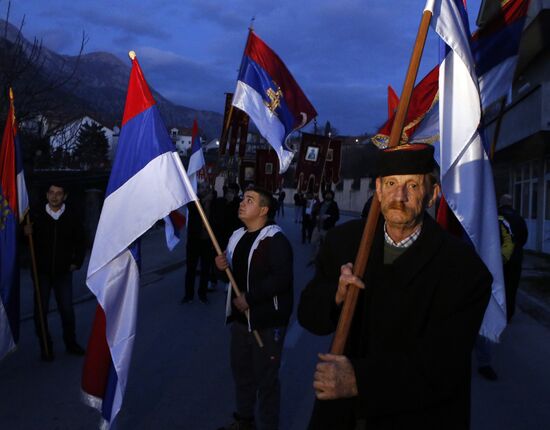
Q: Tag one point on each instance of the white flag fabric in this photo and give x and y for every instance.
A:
(466, 174)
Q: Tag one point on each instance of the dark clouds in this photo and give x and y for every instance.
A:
(343, 53)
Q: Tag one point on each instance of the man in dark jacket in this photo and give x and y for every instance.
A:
(422, 300)
(512, 268)
(199, 246)
(60, 247)
(260, 257)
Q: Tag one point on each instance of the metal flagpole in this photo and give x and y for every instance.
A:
(350, 302)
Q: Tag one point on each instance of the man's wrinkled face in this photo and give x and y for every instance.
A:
(55, 197)
(403, 198)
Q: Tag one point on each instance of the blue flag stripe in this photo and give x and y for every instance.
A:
(494, 49)
(253, 75)
(142, 139)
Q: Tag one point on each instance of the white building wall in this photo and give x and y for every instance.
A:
(67, 136)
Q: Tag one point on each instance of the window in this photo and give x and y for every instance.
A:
(534, 199)
(525, 189)
(525, 200)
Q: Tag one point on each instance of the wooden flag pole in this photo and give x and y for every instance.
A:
(497, 128)
(227, 270)
(350, 302)
(230, 114)
(41, 314)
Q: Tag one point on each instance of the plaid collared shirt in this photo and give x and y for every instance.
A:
(405, 243)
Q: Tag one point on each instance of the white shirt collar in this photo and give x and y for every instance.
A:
(55, 215)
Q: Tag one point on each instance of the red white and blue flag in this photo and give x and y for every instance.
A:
(270, 96)
(196, 159)
(495, 49)
(175, 221)
(14, 204)
(147, 182)
(466, 174)
(173, 224)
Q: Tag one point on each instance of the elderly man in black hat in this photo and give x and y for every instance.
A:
(422, 300)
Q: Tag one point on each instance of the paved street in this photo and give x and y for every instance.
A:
(180, 376)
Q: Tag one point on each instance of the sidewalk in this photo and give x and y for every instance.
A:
(534, 290)
(156, 260)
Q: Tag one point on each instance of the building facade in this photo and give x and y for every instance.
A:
(519, 130)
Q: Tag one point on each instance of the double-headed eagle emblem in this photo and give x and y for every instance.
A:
(4, 211)
(274, 98)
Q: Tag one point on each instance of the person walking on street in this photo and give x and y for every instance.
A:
(60, 248)
(260, 257)
(281, 203)
(327, 214)
(308, 217)
(512, 268)
(199, 246)
(298, 205)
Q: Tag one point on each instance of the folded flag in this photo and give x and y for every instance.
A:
(466, 174)
(147, 182)
(495, 49)
(270, 96)
(173, 224)
(196, 159)
(14, 204)
(423, 99)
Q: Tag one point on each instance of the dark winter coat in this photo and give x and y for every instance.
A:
(333, 213)
(519, 231)
(58, 243)
(269, 292)
(413, 330)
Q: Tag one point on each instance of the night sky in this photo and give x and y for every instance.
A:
(343, 53)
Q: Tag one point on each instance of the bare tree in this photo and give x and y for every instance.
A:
(40, 78)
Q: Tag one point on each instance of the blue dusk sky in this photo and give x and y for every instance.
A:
(343, 53)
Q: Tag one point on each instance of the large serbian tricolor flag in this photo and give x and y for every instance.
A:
(268, 93)
(147, 182)
(14, 204)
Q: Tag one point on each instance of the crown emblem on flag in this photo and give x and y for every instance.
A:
(274, 97)
(4, 211)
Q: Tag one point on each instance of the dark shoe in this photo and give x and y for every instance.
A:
(203, 300)
(488, 373)
(240, 424)
(186, 300)
(75, 349)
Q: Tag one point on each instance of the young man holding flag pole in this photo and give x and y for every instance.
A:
(146, 166)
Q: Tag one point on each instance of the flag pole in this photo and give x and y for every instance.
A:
(350, 302)
(230, 114)
(227, 270)
(497, 128)
(41, 314)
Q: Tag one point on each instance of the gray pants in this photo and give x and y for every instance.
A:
(256, 373)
